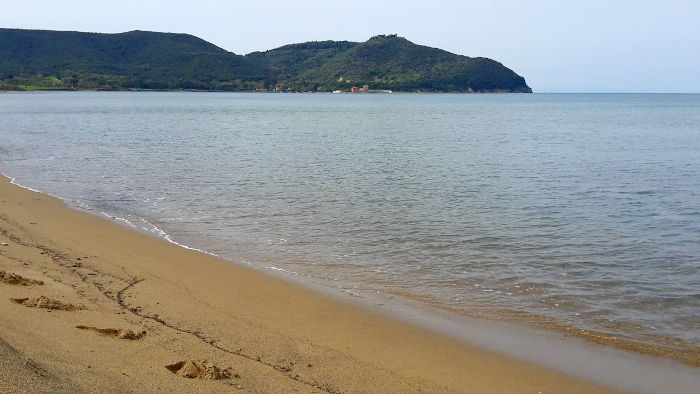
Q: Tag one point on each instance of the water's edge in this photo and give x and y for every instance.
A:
(667, 347)
(557, 349)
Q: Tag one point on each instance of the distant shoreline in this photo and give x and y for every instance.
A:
(247, 91)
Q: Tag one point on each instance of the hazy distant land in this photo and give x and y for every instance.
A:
(42, 59)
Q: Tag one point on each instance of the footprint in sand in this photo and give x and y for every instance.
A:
(114, 332)
(47, 303)
(200, 369)
(14, 279)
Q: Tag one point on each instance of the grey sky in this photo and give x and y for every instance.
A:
(561, 46)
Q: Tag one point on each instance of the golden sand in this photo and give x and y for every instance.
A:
(233, 327)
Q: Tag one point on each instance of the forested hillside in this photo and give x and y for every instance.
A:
(36, 59)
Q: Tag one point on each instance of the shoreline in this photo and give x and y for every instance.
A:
(32, 88)
(675, 349)
(276, 335)
(603, 365)
(551, 350)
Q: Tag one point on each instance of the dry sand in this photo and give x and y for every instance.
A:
(115, 307)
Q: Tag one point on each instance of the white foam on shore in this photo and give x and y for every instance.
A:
(79, 204)
(155, 230)
(286, 271)
(12, 181)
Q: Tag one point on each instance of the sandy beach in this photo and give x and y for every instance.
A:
(90, 306)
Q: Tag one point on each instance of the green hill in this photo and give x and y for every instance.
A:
(394, 63)
(149, 60)
(135, 59)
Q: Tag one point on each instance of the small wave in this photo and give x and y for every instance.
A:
(82, 205)
(273, 268)
(168, 238)
(13, 181)
(158, 231)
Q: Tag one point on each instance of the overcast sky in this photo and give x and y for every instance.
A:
(558, 46)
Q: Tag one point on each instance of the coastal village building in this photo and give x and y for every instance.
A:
(363, 89)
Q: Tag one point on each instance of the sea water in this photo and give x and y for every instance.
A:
(575, 211)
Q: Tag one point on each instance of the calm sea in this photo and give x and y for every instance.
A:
(576, 211)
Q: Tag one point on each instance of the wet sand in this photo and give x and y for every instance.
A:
(101, 308)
